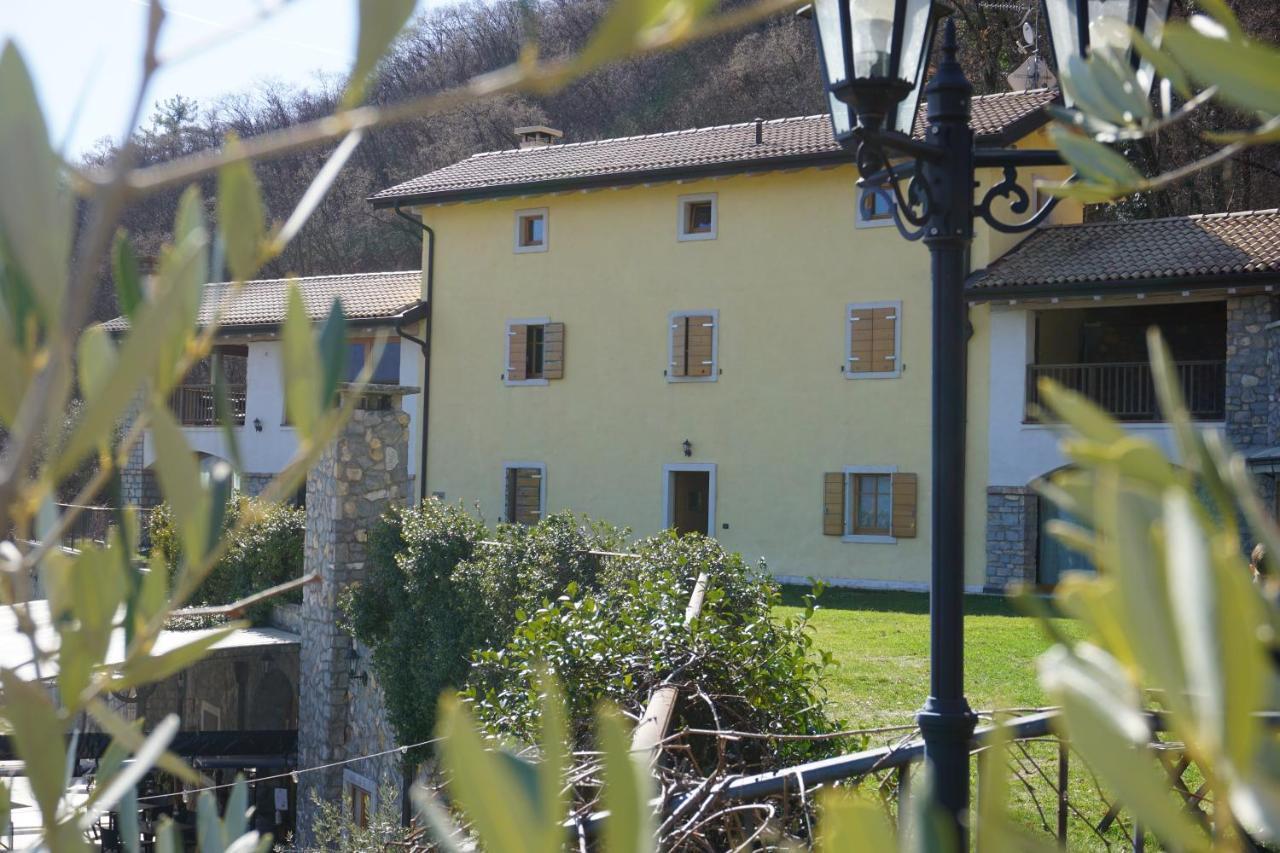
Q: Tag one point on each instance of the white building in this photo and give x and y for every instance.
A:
(386, 306)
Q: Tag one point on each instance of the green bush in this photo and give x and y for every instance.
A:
(434, 595)
(266, 552)
(448, 603)
(738, 667)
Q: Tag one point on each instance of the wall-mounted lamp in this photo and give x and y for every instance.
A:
(257, 424)
(688, 447)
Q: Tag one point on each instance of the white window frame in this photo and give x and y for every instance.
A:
(506, 351)
(866, 538)
(352, 779)
(520, 216)
(715, 345)
(542, 487)
(668, 505)
(682, 219)
(897, 340)
(860, 221)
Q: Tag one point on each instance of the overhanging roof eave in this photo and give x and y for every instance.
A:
(976, 293)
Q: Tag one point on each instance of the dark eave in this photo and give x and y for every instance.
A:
(975, 293)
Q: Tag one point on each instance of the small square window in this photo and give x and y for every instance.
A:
(697, 217)
(531, 230)
(875, 206)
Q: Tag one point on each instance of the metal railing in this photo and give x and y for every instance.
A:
(1040, 762)
(193, 405)
(92, 524)
(1126, 389)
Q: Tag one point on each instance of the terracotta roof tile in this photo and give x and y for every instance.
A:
(708, 147)
(365, 296)
(1114, 254)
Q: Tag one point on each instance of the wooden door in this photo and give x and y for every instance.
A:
(690, 501)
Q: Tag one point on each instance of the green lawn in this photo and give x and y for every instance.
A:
(880, 641)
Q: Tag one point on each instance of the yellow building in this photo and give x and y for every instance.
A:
(708, 330)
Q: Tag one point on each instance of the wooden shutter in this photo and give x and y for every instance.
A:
(679, 336)
(833, 503)
(524, 495)
(904, 506)
(517, 343)
(700, 352)
(553, 351)
(873, 340)
(884, 343)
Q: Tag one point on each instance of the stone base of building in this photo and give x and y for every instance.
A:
(1013, 523)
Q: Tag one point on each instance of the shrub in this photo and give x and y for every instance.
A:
(434, 594)
(738, 667)
(266, 552)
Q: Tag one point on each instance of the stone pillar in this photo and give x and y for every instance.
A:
(1013, 528)
(1253, 383)
(1252, 415)
(133, 475)
(341, 713)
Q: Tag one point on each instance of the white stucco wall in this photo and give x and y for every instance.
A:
(1020, 452)
(268, 451)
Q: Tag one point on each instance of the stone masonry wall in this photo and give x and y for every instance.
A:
(1253, 383)
(1012, 536)
(341, 712)
(1252, 412)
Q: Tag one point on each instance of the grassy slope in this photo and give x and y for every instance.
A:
(881, 643)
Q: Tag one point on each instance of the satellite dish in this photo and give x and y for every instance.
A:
(1028, 33)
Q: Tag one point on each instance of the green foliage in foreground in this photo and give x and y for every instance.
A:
(265, 552)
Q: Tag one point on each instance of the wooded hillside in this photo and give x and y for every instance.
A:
(769, 71)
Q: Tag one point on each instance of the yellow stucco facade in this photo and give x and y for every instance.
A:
(785, 262)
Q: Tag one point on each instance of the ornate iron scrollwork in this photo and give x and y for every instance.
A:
(1009, 188)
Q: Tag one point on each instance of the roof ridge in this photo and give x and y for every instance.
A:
(587, 143)
(302, 278)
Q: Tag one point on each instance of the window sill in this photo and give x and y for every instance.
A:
(884, 374)
(516, 383)
(695, 236)
(873, 223)
(675, 380)
(869, 539)
(530, 250)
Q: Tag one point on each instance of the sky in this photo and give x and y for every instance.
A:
(85, 55)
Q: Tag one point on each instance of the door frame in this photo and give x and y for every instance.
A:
(668, 505)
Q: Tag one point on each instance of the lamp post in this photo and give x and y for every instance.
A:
(874, 55)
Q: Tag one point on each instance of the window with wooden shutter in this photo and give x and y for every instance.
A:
(833, 503)
(869, 504)
(905, 500)
(524, 493)
(693, 344)
(534, 352)
(873, 338)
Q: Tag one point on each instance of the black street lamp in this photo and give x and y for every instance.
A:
(874, 55)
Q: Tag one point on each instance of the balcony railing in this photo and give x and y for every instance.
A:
(1126, 390)
(193, 405)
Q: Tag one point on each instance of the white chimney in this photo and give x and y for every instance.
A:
(538, 136)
